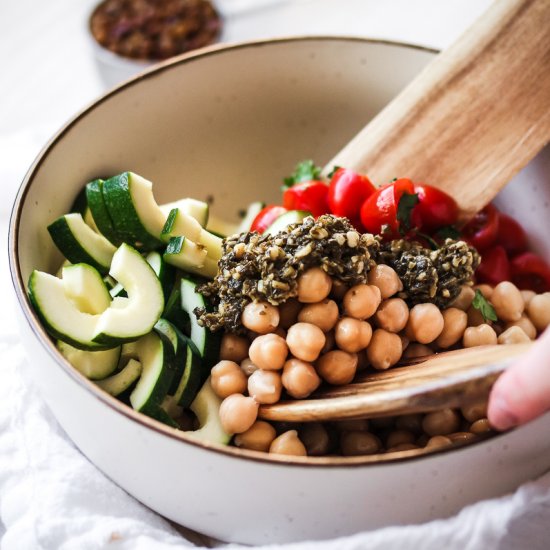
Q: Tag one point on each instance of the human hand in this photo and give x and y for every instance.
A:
(523, 391)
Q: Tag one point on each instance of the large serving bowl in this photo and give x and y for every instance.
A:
(229, 123)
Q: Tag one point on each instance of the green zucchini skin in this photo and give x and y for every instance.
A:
(100, 214)
(117, 195)
(94, 365)
(123, 380)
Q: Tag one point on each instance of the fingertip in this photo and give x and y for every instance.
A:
(499, 413)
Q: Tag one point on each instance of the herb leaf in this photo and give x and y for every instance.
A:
(404, 209)
(304, 171)
(484, 307)
(333, 171)
(448, 232)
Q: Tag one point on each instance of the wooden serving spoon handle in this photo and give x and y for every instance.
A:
(474, 117)
(450, 379)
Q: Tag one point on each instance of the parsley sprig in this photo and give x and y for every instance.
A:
(484, 307)
(304, 171)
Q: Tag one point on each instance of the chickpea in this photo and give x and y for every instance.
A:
(337, 367)
(475, 411)
(257, 438)
(455, 322)
(513, 335)
(404, 342)
(384, 349)
(299, 378)
(313, 285)
(352, 335)
(322, 314)
(480, 426)
(316, 439)
(507, 301)
(539, 311)
(417, 350)
(425, 323)
(238, 413)
(524, 324)
(409, 422)
(402, 447)
(269, 352)
(352, 425)
(382, 423)
(442, 422)
(438, 441)
(486, 290)
(288, 443)
(475, 318)
(392, 315)
(465, 298)
(461, 437)
(248, 367)
(359, 443)
(305, 341)
(227, 378)
(260, 317)
(481, 335)
(361, 301)
(527, 296)
(339, 289)
(386, 279)
(233, 347)
(288, 313)
(398, 437)
(265, 386)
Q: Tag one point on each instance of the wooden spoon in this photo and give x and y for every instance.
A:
(450, 379)
(474, 117)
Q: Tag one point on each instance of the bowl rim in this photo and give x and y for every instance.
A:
(44, 339)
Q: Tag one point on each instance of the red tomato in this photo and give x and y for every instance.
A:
(511, 235)
(435, 208)
(380, 209)
(494, 267)
(531, 272)
(266, 217)
(309, 195)
(482, 230)
(347, 192)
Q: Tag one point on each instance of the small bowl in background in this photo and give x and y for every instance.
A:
(128, 36)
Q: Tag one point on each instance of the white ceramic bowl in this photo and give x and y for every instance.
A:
(229, 122)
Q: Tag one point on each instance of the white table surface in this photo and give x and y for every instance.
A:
(49, 73)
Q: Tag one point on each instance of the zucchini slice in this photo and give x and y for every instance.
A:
(284, 220)
(220, 227)
(121, 381)
(99, 212)
(179, 224)
(196, 209)
(189, 382)
(206, 342)
(166, 273)
(136, 216)
(86, 288)
(94, 365)
(207, 408)
(179, 343)
(254, 208)
(132, 317)
(79, 243)
(156, 355)
(190, 257)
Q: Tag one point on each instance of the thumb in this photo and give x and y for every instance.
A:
(522, 392)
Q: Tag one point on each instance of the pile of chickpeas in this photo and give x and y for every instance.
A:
(330, 332)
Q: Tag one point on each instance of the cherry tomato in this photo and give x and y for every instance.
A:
(511, 235)
(380, 209)
(494, 267)
(266, 216)
(482, 230)
(347, 192)
(309, 195)
(530, 272)
(435, 208)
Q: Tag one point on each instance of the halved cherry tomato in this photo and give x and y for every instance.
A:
(347, 192)
(494, 267)
(482, 230)
(435, 208)
(308, 195)
(511, 235)
(266, 216)
(530, 272)
(379, 211)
